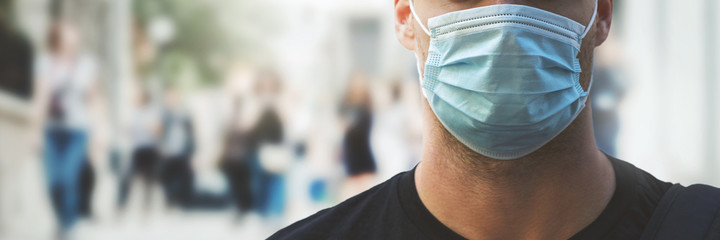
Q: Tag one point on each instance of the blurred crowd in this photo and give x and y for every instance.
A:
(251, 145)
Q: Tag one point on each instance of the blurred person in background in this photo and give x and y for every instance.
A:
(607, 95)
(177, 146)
(391, 136)
(357, 155)
(508, 145)
(67, 81)
(145, 128)
(145, 160)
(267, 183)
(235, 160)
(16, 56)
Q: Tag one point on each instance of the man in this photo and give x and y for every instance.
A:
(508, 151)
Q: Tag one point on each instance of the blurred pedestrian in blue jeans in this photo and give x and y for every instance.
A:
(66, 83)
(267, 185)
(65, 151)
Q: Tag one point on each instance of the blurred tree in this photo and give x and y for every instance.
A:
(203, 36)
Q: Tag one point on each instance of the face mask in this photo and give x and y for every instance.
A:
(504, 79)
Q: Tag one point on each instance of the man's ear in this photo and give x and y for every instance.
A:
(604, 20)
(404, 24)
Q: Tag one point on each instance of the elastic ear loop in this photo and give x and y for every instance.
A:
(587, 29)
(415, 16)
(412, 9)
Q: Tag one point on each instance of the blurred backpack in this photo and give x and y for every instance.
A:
(686, 213)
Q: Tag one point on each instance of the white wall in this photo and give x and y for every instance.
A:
(669, 122)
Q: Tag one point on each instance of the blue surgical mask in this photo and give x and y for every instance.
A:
(504, 79)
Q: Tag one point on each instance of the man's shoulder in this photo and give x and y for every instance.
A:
(647, 182)
(352, 218)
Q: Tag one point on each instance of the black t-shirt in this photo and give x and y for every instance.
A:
(393, 210)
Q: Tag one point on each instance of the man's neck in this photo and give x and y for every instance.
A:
(551, 194)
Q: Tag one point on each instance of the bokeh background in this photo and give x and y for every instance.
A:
(229, 119)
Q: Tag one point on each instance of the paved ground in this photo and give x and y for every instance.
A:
(30, 218)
